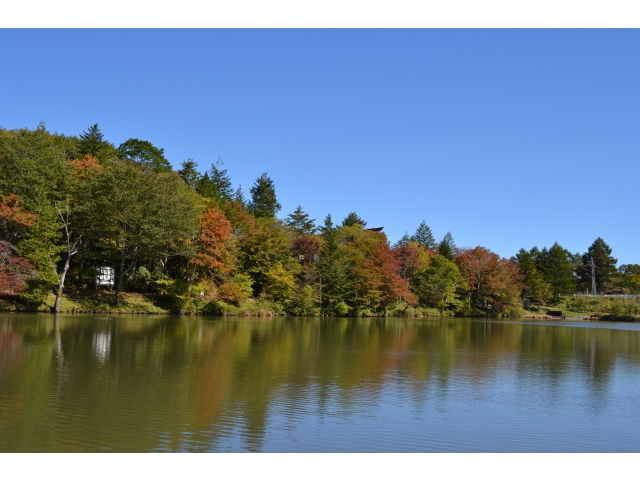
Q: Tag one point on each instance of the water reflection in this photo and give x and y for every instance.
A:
(84, 383)
(101, 345)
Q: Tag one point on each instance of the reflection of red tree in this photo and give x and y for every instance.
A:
(8, 340)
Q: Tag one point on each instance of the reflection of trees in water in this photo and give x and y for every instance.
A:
(141, 383)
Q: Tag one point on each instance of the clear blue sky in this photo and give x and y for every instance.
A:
(506, 138)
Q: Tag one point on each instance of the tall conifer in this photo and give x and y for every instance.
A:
(221, 180)
(424, 237)
(332, 267)
(263, 198)
(300, 222)
(353, 219)
(447, 246)
(189, 173)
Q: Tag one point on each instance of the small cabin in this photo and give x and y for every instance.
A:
(105, 276)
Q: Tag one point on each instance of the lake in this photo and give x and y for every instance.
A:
(98, 383)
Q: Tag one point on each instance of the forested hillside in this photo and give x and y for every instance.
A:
(194, 243)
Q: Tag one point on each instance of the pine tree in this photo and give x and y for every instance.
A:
(299, 221)
(332, 267)
(605, 266)
(206, 188)
(353, 219)
(239, 196)
(263, 198)
(404, 240)
(189, 173)
(424, 237)
(556, 269)
(447, 246)
(92, 143)
(221, 180)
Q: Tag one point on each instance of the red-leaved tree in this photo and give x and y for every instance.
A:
(387, 265)
(305, 248)
(14, 271)
(494, 283)
(215, 231)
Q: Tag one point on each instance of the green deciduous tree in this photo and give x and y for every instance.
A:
(145, 154)
(630, 278)
(535, 291)
(261, 248)
(439, 285)
(140, 214)
(34, 166)
(280, 283)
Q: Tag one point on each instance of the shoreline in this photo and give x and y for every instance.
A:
(101, 303)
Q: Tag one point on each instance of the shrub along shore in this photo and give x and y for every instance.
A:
(102, 302)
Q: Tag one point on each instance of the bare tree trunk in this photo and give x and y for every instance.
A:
(119, 281)
(56, 305)
(71, 250)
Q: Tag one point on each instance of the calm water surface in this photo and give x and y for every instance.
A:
(138, 384)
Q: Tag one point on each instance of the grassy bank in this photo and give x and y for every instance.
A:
(605, 309)
(157, 304)
(139, 303)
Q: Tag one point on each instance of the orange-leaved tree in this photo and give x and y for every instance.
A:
(213, 257)
(82, 168)
(388, 267)
(13, 217)
(494, 283)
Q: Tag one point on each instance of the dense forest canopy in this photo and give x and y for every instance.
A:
(69, 204)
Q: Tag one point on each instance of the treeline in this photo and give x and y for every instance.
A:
(69, 204)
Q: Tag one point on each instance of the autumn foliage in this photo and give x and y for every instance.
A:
(494, 283)
(305, 248)
(387, 267)
(13, 217)
(14, 271)
(215, 231)
(82, 168)
(181, 231)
